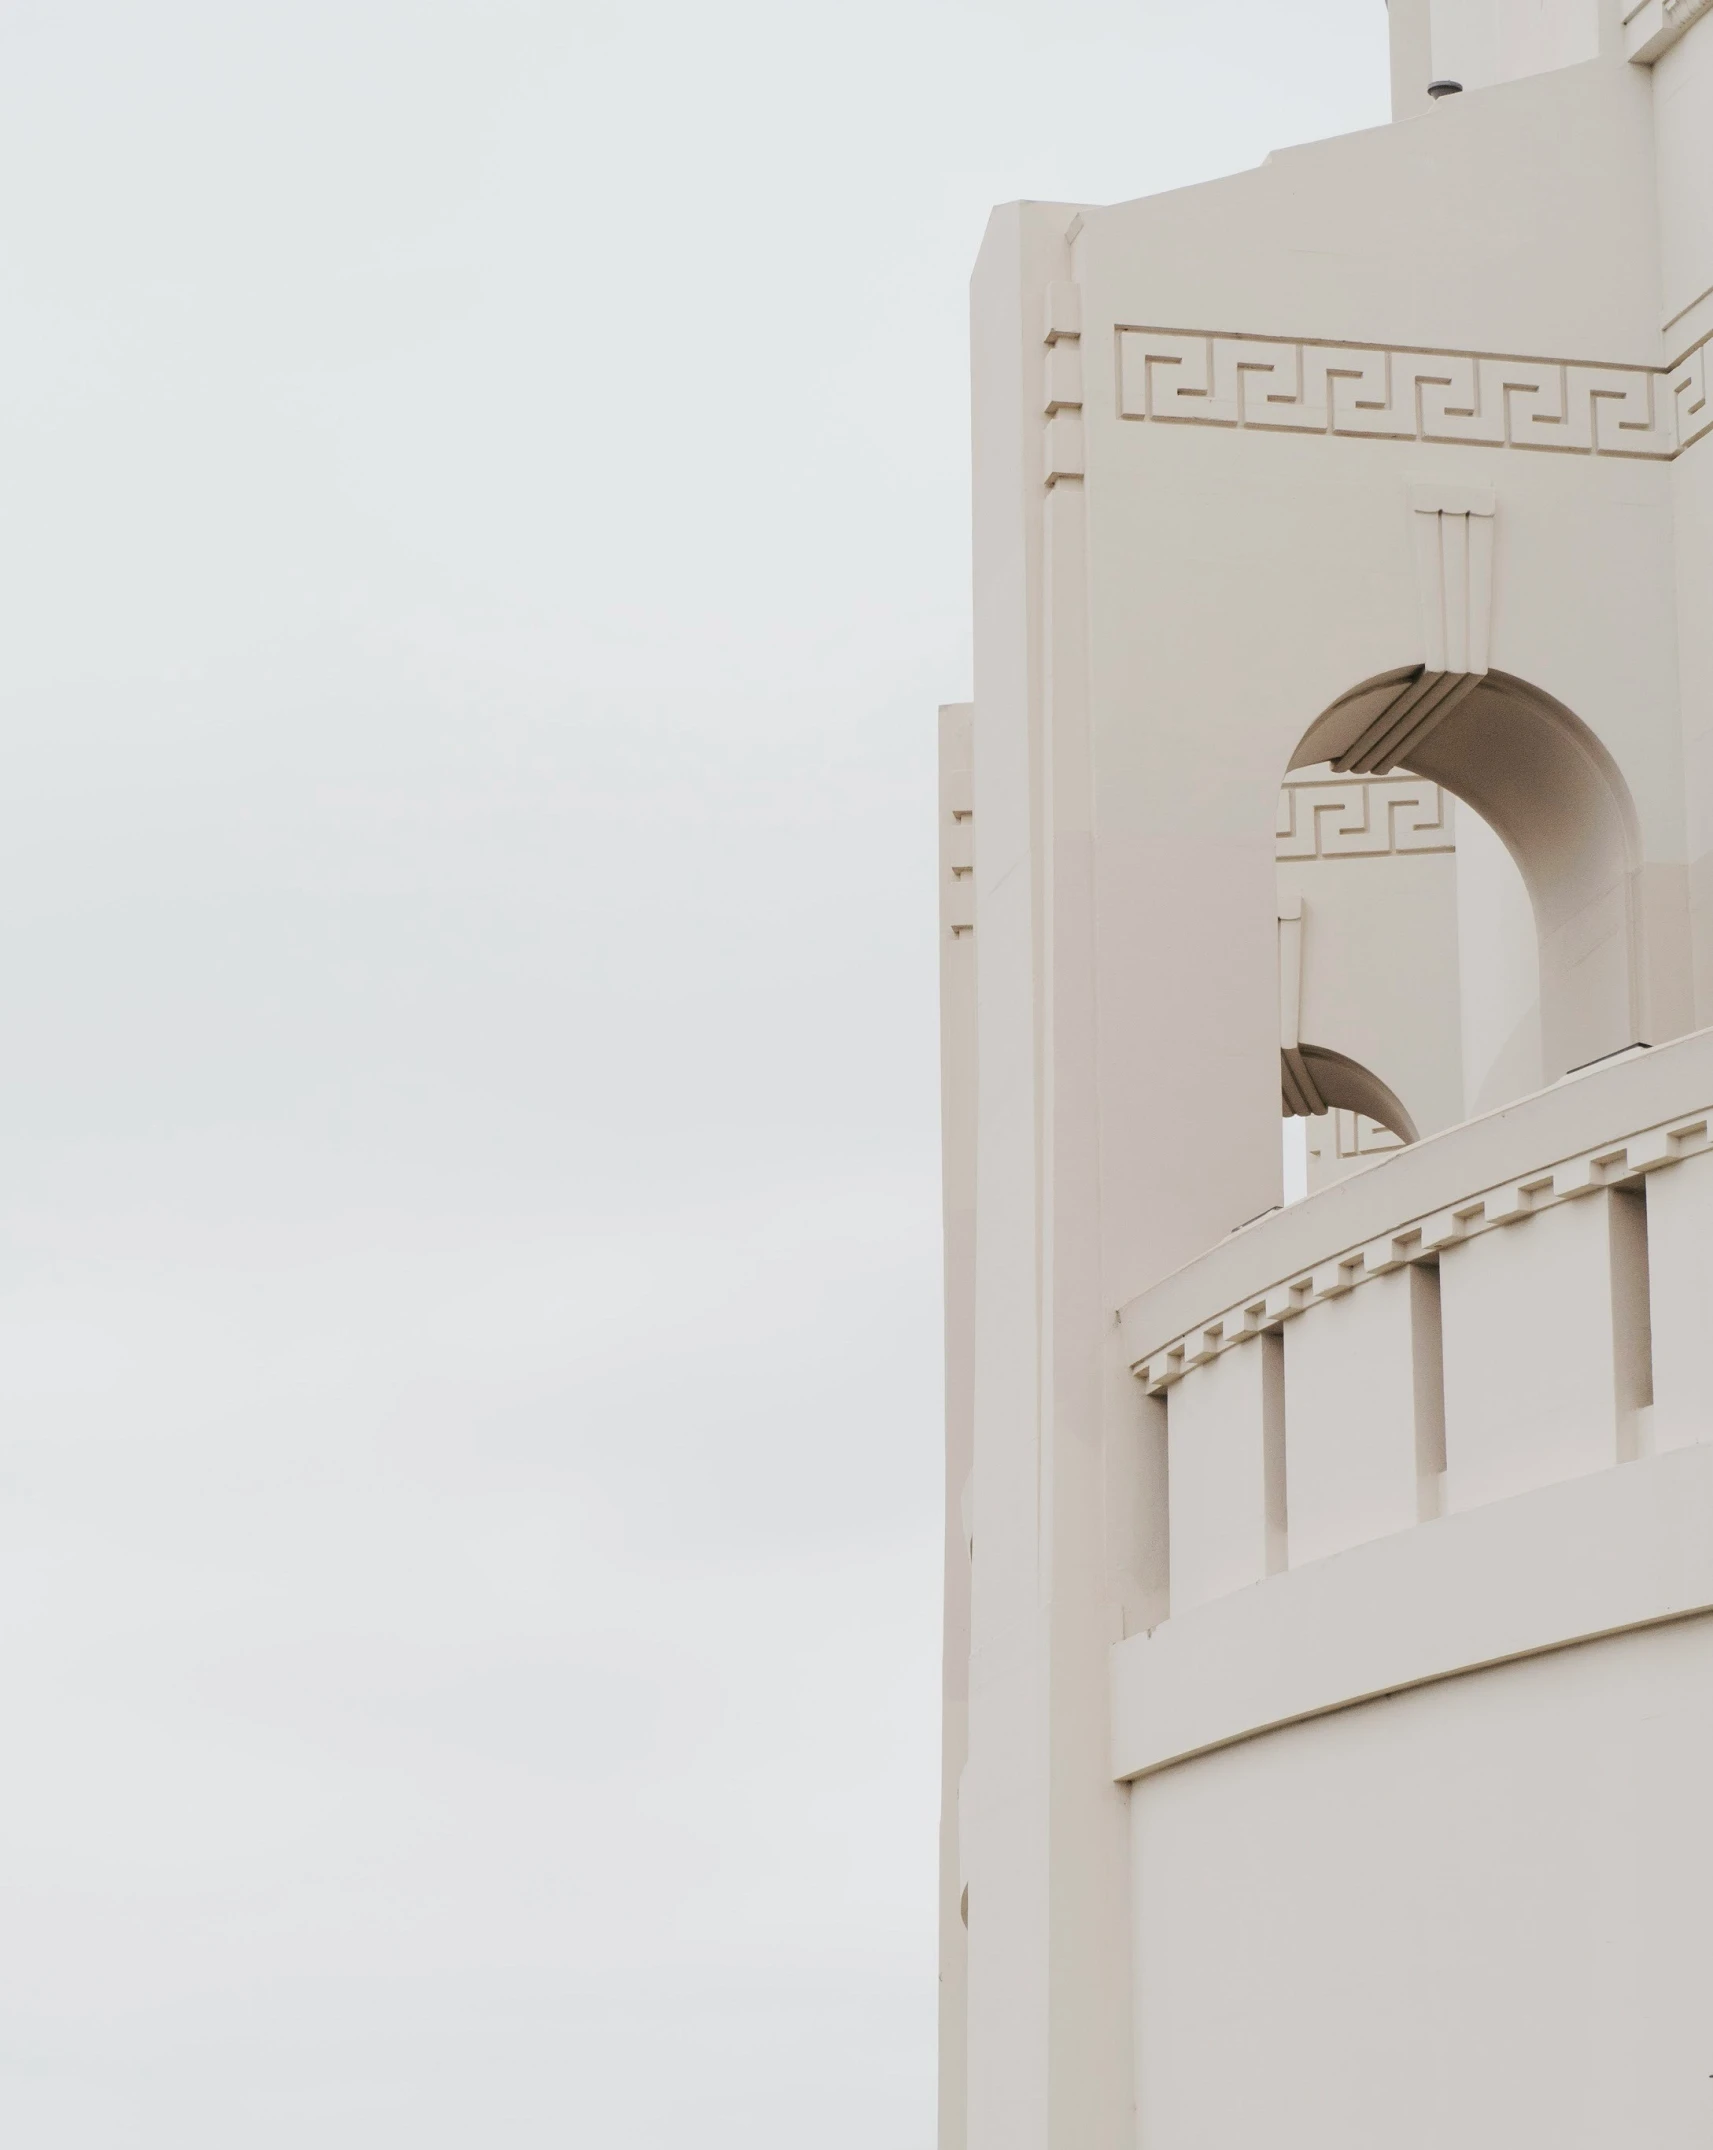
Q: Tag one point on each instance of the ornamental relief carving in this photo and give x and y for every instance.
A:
(1368, 390)
(1356, 818)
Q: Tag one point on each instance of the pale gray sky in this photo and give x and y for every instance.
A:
(483, 531)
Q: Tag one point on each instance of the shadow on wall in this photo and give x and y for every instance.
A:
(1554, 797)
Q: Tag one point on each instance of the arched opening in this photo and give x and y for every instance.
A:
(1393, 901)
(1550, 792)
(1318, 1080)
(1459, 919)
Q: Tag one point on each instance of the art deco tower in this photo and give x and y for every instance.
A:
(1329, 1667)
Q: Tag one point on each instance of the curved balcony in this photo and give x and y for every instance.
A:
(1454, 1410)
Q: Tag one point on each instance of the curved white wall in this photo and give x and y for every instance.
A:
(1476, 1914)
(1421, 1757)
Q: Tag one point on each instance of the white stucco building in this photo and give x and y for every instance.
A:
(1329, 1618)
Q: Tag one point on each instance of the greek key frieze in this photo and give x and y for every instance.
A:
(1353, 817)
(1367, 390)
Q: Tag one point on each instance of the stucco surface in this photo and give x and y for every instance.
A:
(1335, 1573)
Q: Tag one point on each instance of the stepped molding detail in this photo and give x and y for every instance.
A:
(1452, 528)
(1381, 392)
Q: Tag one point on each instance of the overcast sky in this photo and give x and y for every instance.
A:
(483, 533)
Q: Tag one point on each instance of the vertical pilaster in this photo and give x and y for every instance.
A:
(1412, 57)
(1045, 1828)
(1683, 115)
(957, 1156)
(1089, 2085)
(1005, 1783)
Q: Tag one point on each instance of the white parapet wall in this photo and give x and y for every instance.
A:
(1427, 1735)
(1473, 1911)
(1494, 1327)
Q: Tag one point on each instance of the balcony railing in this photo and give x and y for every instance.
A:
(1520, 1303)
